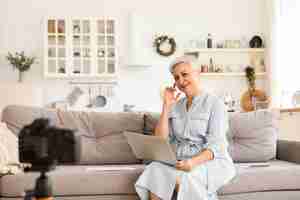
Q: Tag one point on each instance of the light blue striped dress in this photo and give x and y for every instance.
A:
(203, 126)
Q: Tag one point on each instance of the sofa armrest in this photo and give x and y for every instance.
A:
(288, 151)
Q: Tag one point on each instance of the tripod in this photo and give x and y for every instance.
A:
(42, 190)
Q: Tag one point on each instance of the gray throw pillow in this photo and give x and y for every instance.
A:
(150, 121)
(253, 135)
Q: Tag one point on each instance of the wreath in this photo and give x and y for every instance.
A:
(165, 46)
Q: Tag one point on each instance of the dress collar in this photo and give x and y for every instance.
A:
(199, 97)
(196, 99)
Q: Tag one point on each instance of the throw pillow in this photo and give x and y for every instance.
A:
(17, 116)
(9, 154)
(150, 121)
(254, 135)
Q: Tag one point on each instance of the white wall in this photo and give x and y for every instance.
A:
(21, 29)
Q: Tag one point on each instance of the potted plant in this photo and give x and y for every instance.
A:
(20, 62)
(253, 95)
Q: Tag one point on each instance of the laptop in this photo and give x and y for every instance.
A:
(152, 148)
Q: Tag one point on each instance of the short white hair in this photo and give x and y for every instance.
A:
(191, 60)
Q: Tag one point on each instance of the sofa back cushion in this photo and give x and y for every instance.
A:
(17, 116)
(109, 123)
(99, 135)
(108, 145)
(253, 135)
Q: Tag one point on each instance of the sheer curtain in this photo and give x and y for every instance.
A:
(272, 11)
(283, 54)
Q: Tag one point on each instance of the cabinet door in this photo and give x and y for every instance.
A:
(56, 47)
(81, 48)
(106, 47)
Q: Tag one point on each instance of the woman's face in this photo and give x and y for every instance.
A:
(186, 79)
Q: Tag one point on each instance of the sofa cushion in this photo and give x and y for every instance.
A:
(105, 123)
(253, 135)
(78, 180)
(107, 144)
(75, 120)
(17, 116)
(110, 149)
(94, 197)
(279, 175)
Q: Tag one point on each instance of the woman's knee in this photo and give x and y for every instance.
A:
(156, 164)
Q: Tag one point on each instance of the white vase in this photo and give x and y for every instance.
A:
(20, 76)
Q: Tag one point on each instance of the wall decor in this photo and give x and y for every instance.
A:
(256, 42)
(165, 45)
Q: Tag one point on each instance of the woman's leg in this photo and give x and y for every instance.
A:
(177, 184)
(158, 178)
(153, 196)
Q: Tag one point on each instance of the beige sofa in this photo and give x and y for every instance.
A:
(107, 170)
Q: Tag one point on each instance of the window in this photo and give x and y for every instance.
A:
(288, 43)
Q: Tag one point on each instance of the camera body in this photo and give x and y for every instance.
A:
(44, 146)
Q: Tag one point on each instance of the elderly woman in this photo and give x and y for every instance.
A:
(196, 125)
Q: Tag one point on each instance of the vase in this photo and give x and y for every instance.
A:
(252, 100)
(20, 77)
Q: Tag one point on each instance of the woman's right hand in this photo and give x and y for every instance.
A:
(170, 96)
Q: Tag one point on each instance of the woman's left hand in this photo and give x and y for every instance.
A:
(185, 165)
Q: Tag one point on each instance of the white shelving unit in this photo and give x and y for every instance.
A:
(80, 47)
(259, 74)
(233, 55)
(226, 50)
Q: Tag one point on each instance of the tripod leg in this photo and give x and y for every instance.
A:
(45, 198)
(29, 194)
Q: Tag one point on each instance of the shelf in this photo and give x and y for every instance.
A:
(226, 50)
(289, 110)
(231, 74)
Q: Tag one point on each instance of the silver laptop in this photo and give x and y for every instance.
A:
(151, 148)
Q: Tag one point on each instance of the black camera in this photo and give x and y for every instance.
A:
(44, 146)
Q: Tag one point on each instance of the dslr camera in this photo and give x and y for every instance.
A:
(44, 146)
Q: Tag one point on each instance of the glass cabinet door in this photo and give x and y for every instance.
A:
(81, 47)
(56, 44)
(106, 53)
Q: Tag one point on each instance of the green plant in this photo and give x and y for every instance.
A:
(19, 61)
